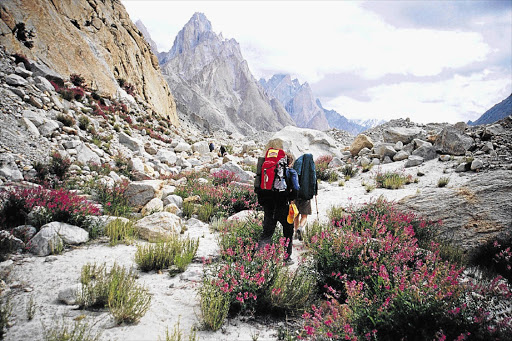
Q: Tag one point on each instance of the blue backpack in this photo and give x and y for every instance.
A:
(305, 167)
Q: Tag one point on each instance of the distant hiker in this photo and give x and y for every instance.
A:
(211, 146)
(222, 151)
(305, 167)
(276, 185)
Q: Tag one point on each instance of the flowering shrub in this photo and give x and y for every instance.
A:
(322, 167)
(225, 198)
(381, 285)
(113, 198)
(55, 205)
(224, 177)
(76, 79)
(495, 257)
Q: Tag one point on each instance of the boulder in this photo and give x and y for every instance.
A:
(154, 205)
(15, 80)
(85, 155)
(201, 147)
(31, 127)
(401, 155)
(34, 116)
(70, 294)
(426, 151)
(158, 226)
(472, 215)
(8, 168)
(173, 199)
(384, 149)
(301, 140)
(48, 127)
(130, 142)
(239, 172)
(139, 193)
(452, 141)
(360, 142)
(9, 243)
(405, 135)
(183, 147)
(413, 160)
(43, 84)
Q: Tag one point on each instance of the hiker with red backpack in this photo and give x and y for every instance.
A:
(305, 168)
(276, 185)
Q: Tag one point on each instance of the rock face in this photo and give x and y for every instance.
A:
(213, 85)
(471, 215)
(300, 140)
(298, 101)
(497, 112)
(95, 39)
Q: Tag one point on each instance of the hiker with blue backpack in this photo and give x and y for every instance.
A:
(306, 172)
(276, 185)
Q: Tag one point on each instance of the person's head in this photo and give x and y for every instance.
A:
(289, 159)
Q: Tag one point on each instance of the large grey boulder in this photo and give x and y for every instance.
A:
(35, 117)
(384, 149)
(201, 147)
(48, 127)
(239, 172)
(405, 135)
(139, 193)
(299, 141)
(43, 84)
(54, 235)
(85, 155)
(166, 156)
(158, 226)
(452, 141)
(426, 151)
(31, 127)
(15, 80)
(472, 215)
(413, 160)
(8, 168)
(132, 143)
(9, 243)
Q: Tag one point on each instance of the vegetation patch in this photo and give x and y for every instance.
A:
(116, 290)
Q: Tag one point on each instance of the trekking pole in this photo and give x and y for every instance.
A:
(317, 216)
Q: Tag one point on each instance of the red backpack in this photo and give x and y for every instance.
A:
(268, 168)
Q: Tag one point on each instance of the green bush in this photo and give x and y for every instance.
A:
(349, 171)
(75, 331)
(214, 304)
(5, 314)
(161, 255)
(392, 180)
(119, 231)
(177, 334)
(443, 181)
(292, 290)
(116, 289)
(67, 120)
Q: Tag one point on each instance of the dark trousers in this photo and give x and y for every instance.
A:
(276, 212)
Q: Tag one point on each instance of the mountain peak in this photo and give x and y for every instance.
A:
(195, 31)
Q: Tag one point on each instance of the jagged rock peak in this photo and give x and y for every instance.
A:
(142, 28)
(197, 30)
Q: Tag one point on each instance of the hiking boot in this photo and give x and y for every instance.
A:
(298, 234)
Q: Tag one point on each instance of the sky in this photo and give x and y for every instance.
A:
(431, 61)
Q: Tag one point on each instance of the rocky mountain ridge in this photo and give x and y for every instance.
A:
(497, 112)
(213, 85)
(95, 39)
(298, 100)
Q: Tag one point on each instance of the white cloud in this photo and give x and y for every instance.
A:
(457, 99)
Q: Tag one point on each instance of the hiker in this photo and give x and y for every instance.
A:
(305, 167)
(276, 200)
(222, 151)
(211, 146)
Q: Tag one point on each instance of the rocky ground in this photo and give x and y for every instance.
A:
(477, 161)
